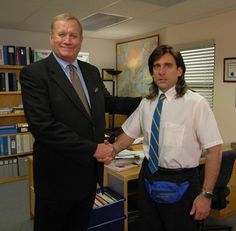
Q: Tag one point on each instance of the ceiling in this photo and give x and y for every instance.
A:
(145, 15)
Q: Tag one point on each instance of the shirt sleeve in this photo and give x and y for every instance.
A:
(206, 125)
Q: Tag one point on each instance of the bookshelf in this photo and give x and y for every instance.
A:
(10, 99)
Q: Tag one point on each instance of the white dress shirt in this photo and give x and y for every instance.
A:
(187, 127)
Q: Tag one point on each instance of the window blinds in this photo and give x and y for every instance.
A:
(199, 75)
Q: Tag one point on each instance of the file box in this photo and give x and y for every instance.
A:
(108, 215)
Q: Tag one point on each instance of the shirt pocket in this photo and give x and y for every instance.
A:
(173, 135)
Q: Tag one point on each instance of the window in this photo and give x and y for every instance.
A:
(199, 75)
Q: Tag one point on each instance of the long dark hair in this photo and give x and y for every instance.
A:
(181, 86)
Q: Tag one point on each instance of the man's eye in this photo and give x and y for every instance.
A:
(156, 66)
(61, 35)
(74, 36)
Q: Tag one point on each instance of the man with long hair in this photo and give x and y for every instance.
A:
(171, 197)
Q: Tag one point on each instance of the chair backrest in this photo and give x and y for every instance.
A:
(227, 164)
(221, 190)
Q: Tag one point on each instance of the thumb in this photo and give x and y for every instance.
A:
(193, 210)
(106, 142)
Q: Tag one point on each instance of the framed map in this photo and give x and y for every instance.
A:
(132, 59)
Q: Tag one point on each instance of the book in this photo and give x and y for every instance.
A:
(11, 55)
(12, 80)
(23, 165)
(22, 127)
(3, 145)
(6, 81)
(106, 198)
(1, 55)
(21, 56)
(110, 196)
(19, 145)
(5, 110)
(2, 81)
(12, 141)
(5, 55)
(18, 109)
(8, 128)
(97, 202)
(29, 55)
(101, 200)
(25, 137)
(14, 167)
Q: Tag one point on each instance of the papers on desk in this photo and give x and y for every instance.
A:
(127, 159)
(138, 140)
(112, 166)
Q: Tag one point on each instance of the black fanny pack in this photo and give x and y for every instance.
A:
(165, 192)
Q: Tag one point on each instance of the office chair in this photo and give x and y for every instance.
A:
(221, 190)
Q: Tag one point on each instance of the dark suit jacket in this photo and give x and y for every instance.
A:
(65, 135)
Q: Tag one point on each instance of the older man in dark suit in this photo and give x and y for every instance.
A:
(69, 148)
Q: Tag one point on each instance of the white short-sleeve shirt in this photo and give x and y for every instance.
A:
(187, 127)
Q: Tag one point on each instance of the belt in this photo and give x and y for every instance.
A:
(175, 170)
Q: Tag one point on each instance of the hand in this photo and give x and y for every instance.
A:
(201, 207)
(105, 152)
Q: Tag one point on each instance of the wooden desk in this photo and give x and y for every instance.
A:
(118, 181)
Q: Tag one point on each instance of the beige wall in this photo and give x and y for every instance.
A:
(221, 29)
(102, 51)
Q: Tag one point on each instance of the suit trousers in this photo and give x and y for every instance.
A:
(168, 217)
(63, 215)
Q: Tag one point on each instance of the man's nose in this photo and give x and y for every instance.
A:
(161, 69)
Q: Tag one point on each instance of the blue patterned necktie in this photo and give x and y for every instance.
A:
(154, 142)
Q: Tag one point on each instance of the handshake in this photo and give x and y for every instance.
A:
(105, 152)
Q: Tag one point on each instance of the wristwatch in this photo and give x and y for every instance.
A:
(208, 195)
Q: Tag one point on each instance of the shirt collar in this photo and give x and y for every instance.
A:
(64, 64)
(170, 94)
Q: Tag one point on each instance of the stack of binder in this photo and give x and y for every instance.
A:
(108, 212)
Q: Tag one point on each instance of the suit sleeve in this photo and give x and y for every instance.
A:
(120, 105)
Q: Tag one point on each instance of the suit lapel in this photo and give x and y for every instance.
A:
(58, 75)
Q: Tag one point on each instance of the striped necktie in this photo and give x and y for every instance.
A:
(75, 80)
(154, 141)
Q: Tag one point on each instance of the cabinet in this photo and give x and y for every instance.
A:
(10, 99)
(124, 183)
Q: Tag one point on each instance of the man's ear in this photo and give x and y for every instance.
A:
(180, 71)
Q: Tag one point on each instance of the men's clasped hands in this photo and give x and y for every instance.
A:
(105, 152)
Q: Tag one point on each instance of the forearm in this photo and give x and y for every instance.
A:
(202, 205)
(212, 167)
(122, 142)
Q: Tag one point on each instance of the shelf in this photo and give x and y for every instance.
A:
(11, 67)
(13, 179)
(12, 114)
(16, 155)
(12, 99)
(10, 92)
